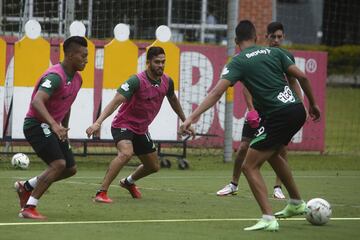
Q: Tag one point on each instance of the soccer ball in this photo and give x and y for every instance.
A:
(20, 160)
(319, 211)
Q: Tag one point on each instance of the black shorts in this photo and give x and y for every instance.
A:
(248, 132)
(142, 144)
(48, 146)
(279, 127)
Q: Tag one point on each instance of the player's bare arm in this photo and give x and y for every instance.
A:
(109, 109)
(248, 99)
(314, 109)
(38, 103)
(65, 121)
(294, 85)
(175, 105)
(210, 100)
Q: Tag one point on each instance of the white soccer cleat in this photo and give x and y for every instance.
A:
(229, 189)
(278, 194)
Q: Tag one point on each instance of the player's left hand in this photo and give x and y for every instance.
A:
(307, 113)
(253, 119)
(60, 131)
(314, 112)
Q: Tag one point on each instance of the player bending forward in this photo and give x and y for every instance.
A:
(141, 97)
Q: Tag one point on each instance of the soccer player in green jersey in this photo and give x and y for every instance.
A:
(275, 36)
(261, 70)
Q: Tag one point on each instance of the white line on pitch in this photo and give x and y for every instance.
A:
(204, 177)
(160, 221)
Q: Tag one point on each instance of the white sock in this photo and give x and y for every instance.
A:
(295, 201)
(32, 201)
(268, 217)
(130, 179)
(33, 181)
(233, 185)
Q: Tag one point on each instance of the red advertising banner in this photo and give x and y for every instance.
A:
(200, 68)
(309, 138)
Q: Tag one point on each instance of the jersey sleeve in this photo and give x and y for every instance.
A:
(170, 91)
(128, 88)
(232, 72)
(291, 57)
(285, 60)
(289, 54)
(50, 83)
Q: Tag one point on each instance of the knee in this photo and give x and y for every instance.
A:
(72, 171)
(125, 155)
(153, 168)
(156, 168)
(246, 168)
(244, 146)
(58, 166)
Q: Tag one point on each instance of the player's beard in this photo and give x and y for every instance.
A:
(157, 71)
(81, 67)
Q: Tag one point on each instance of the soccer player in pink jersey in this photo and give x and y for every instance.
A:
(46, 124)
(141, 97)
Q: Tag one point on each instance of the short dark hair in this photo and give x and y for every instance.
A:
(274, 26)
(153, 52)
(72, 42)
(245, 30)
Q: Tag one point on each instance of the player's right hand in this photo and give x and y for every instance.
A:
(93, 130)
(186, 129)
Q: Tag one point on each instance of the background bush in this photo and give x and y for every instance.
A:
(343, 60)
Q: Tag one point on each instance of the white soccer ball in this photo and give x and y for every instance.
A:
(319, 212)
(20, 160)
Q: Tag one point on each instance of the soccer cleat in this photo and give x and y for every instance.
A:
(132, 188)
(31, 212)
(266, 225)
(278, 194)
(229, 189)
(102, 197)
(23, 194)
(292, 210)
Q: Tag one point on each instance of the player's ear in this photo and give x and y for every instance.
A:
(236, 41)
(68, 55)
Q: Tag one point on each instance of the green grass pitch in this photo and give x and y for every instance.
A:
(181, 204)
